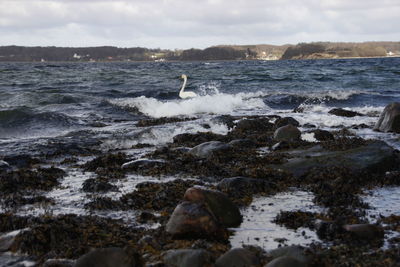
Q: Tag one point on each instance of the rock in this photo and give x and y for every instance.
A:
(225, 119)
(365, 231)
(287, 133)
(224, 210)
(192, 220)
(20, 161)
(243, 143)
(7, 240)
(286, 121)
(237, 257)
(285, 261)
(205, 150)
(322, 135)
(58, 263)
(376, 157)
(4, 165)
(389, 121)
(344, 113)
(97, 185)
(253, 125)
(280, 145)
(242, 186)
(187, 258)
(142, 163)
(294, 252)
(109, 257)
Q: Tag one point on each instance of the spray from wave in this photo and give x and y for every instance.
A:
(218, 103)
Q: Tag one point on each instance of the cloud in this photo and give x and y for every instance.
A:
(190, 23)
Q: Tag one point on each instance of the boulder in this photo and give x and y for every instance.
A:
(243, 186)
(322, 135)
(376, 156)
(286, 121)
(238, 257)
(193, 220)
(187, 258)
(142, 163)
(389, 121)
(253, 125)
(287, 133)
(285, 261)
(243, 143)
(297, 253)
(344, 113)
(205, 150)
(109, 257)
(365, 231)
(224, 210)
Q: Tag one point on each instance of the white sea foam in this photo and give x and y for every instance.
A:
(208, 104)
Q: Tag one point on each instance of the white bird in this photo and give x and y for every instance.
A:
(183, 94)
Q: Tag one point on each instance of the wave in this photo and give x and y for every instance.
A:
(208, 104)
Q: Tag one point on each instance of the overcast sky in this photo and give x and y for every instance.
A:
(195, 23)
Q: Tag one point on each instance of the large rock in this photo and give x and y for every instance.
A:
(109, 257)
(193, 220)
(376, 156)
(297, 253)
(253, 125)
(142, 163)
(285, 261)
(344, 113)
(224, 210)
(244, 186)
(238, 257)
(365, 231)
(187, 258)
(322, 135)
(205, 150)
(389, 121)
(286, 121)
(287, 133)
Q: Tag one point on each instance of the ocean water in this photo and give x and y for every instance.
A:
(45, 107)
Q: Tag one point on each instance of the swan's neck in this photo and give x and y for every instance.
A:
(183, 85)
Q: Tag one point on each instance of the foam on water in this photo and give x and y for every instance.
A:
(208, 104)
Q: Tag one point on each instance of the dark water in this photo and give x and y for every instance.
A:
(43, 100)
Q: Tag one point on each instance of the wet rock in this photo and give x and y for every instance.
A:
(309, 125)
(243, 143)
(238, 257)
(376, 156)
(97, 185)
(296, 253)
(226, 212)
(110, 162)
(105, 203)
(191, 140)
(225, 119)
(20, 161)
(4, 165)
(59, 263)
(286, 121)
(23, 179)
(238, 187)
(365, 231)
(187, 258)
(191, 220)
(344, 113)
(322, 135)
(389, 121)
(280, 145)
(287, 133)
(109, 257)
(253, 125)
(7, 240)
(160, 121)
(285, 261)
(142, 164)
(205, 150)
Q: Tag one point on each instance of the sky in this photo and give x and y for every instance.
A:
(183, 24)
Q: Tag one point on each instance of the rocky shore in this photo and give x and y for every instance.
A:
(188, 221)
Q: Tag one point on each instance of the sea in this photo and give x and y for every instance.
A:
(45, 106)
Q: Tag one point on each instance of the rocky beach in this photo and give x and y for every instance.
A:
(246, 178)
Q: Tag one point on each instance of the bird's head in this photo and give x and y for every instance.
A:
(183, 76)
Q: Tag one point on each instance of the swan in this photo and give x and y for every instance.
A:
(183, 94)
